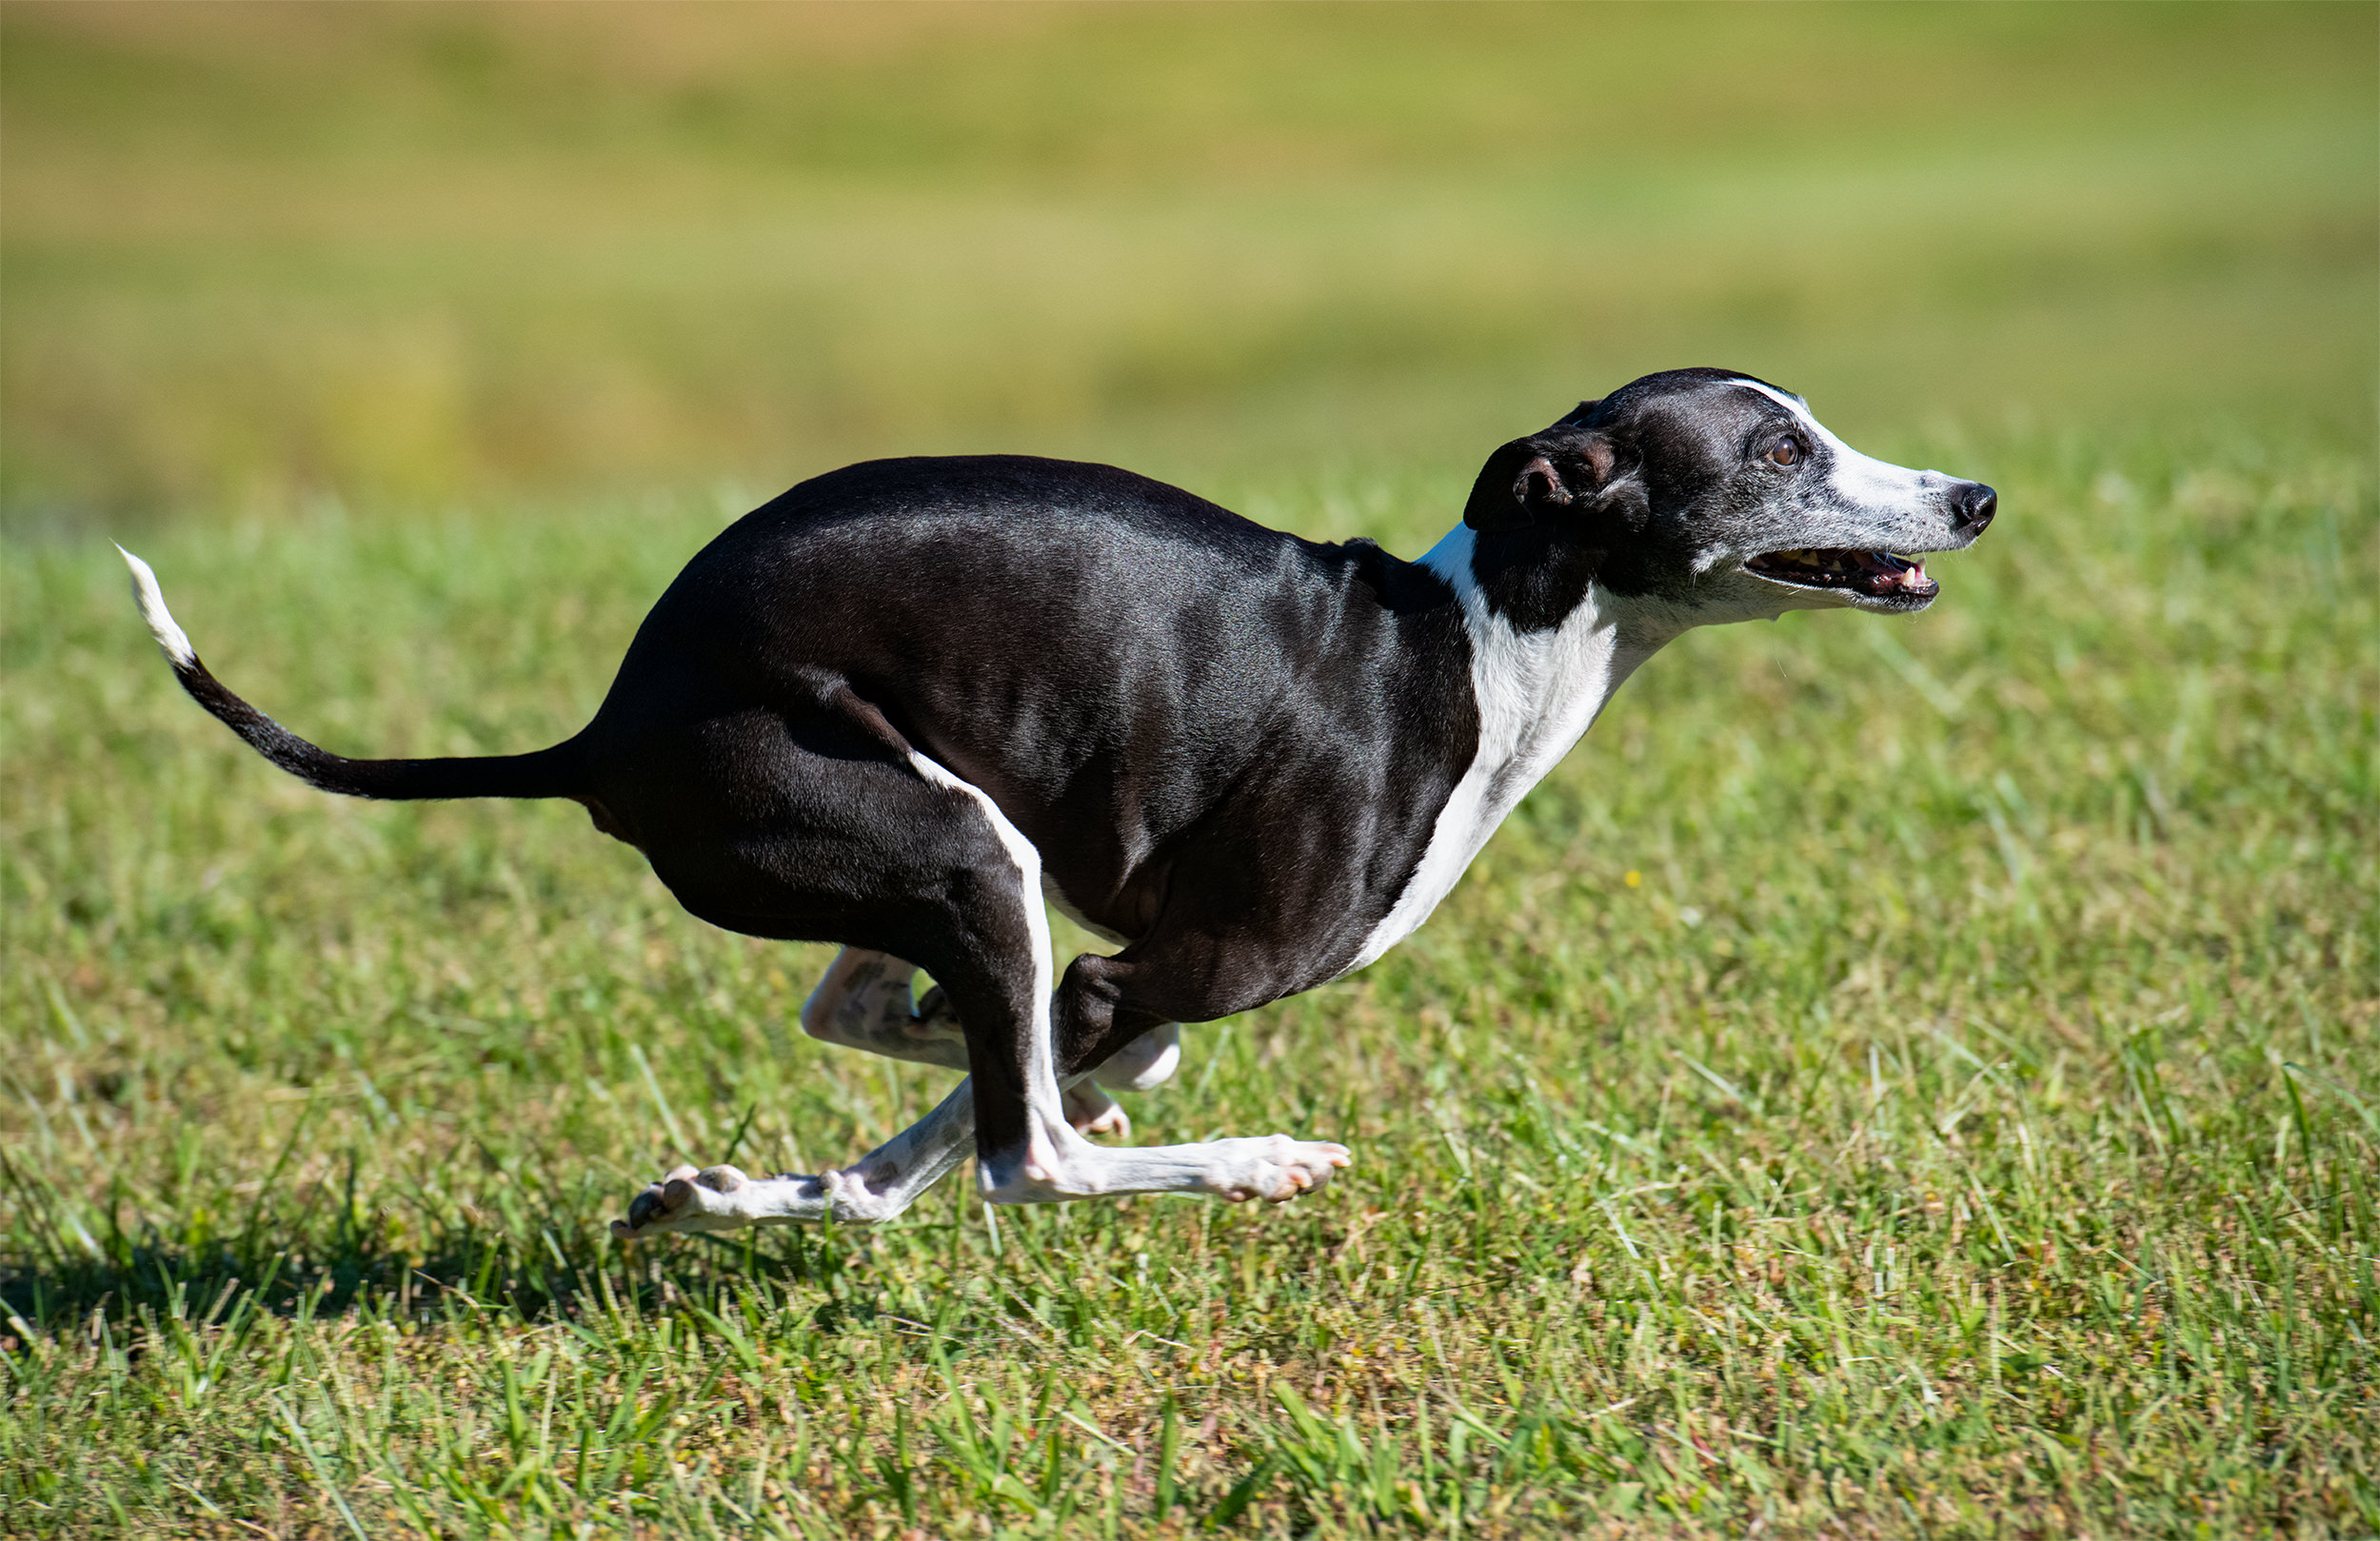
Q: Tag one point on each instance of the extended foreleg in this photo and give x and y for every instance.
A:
(863, 1002)
(873, 1188)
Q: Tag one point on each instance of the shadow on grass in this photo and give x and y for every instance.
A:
(67, 1275)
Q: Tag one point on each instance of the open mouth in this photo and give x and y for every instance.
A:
(1879, 578)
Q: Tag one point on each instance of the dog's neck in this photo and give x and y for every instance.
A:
(1541, 668)
(1547, 650)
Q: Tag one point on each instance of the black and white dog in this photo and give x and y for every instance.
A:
(905, 702)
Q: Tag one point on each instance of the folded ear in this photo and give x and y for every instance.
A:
(1517, 482)
(1532, 479)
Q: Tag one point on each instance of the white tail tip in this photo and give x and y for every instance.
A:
(153, 602)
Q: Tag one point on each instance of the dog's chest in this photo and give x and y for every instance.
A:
(1537, 694)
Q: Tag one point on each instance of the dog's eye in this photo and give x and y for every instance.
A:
(1784, 452)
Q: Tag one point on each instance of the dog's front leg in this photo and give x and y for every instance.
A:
(873, 1188)
(1029, 1153)
(863, 1002)
(1147, 1061)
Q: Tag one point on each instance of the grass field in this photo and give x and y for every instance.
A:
(1897, 1079)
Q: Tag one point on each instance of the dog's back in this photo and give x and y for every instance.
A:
(1106, 656)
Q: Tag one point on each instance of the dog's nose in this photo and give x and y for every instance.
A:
(1974, 506)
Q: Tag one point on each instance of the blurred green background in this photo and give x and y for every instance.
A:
(254, 256)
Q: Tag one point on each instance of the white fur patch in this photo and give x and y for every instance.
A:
(872, 1189)
(1028, 859)
(152, 603)
(1538, 694)
(1860, 480)
(1041, 1090)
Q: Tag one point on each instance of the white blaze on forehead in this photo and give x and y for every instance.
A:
(1854, 477)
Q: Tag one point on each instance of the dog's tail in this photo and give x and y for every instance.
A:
(547, 773)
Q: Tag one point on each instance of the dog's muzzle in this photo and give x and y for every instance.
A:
(1881, 580)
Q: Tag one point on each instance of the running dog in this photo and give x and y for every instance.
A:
(902, 706)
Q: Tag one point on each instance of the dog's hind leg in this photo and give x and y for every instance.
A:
(1104, 999)
(1028, 1151)
(756, 831)
(771, 825)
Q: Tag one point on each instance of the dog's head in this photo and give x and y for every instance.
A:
(1721, 497)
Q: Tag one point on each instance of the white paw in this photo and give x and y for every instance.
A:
(684, 1200)
(1276, 1169)
(1093, 1111)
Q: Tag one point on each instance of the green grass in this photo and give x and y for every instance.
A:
(1897, 1079)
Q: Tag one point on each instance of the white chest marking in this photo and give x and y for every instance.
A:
(1537, 692)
